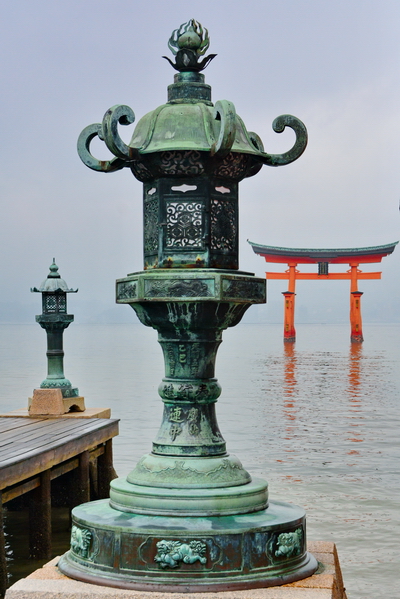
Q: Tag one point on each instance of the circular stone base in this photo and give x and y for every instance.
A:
(223, 501)
(186, 554)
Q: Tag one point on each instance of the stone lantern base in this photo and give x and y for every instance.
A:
(189, 517)
(52, 402)
(175, 553)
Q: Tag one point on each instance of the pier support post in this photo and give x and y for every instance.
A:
(105, 471)
(3, 562)
(82, 480)
(40, 518)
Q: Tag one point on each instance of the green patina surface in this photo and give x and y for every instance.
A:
(263, 548)
(54, 320)
(189, 516)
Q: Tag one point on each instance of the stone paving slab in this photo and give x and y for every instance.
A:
(49, 583)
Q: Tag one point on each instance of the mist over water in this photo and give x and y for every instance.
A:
(318, 419)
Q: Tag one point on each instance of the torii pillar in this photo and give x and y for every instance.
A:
(355, 307)
(289, 331)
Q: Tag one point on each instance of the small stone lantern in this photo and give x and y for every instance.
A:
(56, 395)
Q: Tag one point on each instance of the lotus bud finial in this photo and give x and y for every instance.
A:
(188, 43)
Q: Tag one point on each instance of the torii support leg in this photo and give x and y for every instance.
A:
(355, 307)
(289, 332)
(355, 317)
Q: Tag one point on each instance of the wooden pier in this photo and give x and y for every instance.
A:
(36, 451)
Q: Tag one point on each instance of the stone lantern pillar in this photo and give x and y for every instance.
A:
(189, 516)
(56, 395)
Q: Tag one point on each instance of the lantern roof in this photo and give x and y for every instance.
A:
(54, 283)
(188, 123)
(171, 127)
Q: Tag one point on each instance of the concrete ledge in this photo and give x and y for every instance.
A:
(49, 583)
(88, 413)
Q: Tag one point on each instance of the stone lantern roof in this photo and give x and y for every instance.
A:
(54, 283)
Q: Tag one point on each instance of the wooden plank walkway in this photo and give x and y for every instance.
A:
(36, 451)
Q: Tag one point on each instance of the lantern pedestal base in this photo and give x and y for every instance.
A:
(194, 554)
(51, 402)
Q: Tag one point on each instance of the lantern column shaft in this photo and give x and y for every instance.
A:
(55, 355)
(54, 325)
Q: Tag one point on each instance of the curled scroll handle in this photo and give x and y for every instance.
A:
(225, 112)
(123, 115)
(279, 125)
(108, 132)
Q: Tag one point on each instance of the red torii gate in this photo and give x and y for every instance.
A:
(323, 257)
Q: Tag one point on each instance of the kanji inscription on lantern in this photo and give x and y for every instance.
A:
(176, 415)
(192, 418)
(174, 431)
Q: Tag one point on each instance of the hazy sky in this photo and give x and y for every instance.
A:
(335, 65)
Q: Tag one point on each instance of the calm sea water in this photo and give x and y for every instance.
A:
(319, 420)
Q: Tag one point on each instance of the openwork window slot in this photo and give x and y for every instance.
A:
(54, 303)
(190, 226)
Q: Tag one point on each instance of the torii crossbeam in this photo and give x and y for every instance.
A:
(323, 257)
